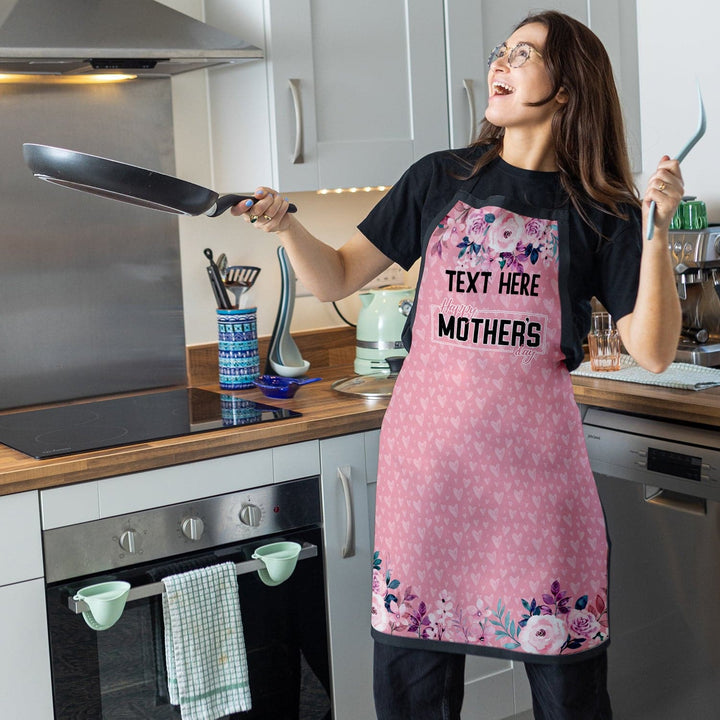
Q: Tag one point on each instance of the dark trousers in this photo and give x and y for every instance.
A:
(428, 685)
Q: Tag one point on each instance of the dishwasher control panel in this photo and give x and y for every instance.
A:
(678, 457)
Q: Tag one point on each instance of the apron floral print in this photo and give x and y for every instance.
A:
(489, 530)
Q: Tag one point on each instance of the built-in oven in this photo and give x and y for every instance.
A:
(120, 673)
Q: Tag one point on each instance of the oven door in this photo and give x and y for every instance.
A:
(119, 673)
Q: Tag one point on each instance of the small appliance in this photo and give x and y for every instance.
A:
(379, 327)
(696, 259)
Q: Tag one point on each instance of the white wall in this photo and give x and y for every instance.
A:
(333, 218)
(674, 52)
(677, 49)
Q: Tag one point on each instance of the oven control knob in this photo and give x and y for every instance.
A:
(130, 541)
(250, 515)
(193, 528)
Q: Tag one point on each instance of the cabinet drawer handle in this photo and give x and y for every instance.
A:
(297, 156)
(349, 545)
(470, 92)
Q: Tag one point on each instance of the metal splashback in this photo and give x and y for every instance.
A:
(94, 36)
(90, 289)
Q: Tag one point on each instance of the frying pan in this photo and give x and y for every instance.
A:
(127, 183)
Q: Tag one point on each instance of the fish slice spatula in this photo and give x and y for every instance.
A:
(689, 145)
(239, 279)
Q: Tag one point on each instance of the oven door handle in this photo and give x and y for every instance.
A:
(307, 550)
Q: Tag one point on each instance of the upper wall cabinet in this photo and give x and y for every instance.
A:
(350, 94)
(473, 28)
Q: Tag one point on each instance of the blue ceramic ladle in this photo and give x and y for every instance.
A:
(702, 125)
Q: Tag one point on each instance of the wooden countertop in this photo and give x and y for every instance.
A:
(325, 413)
(702, 406)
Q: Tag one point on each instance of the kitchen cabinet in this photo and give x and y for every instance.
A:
(348, 559)
(347, 99)
(25, 689)
(349, 95)
(473, 28)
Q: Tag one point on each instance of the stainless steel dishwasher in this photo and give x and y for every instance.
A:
(660, 486)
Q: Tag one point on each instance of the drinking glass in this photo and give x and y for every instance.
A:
(603, 343)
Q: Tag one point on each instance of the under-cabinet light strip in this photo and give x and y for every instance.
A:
(40, 79)
(339, 191)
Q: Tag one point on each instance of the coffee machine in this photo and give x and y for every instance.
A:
(696, 259)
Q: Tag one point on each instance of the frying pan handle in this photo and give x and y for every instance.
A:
(227, 201)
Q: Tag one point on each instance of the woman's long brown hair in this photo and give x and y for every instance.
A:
(588, 131)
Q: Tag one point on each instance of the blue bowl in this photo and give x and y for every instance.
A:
(274, 386)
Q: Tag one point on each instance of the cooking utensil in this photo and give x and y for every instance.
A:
(240, 278)
(221, 296)
(275, 386)
(222, 263)
(288, 370)
(374, 385)
(689, 145)
(283, 354)
(127, 183)
(377, 385)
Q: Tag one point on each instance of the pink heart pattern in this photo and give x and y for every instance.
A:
(489, 529)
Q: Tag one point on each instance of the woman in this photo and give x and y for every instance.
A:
(490, 538)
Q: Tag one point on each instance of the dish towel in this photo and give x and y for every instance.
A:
(204, 643)
(684, 376)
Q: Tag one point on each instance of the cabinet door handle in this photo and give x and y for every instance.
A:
(297, 156)
(349, 545)
(468, 84)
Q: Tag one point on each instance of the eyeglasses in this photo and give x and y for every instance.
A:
(516, 57)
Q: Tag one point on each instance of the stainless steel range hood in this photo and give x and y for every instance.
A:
(143, 37)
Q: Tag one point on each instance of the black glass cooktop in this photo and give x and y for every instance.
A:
(97, 424)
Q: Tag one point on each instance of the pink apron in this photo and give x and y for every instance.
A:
(490, 535)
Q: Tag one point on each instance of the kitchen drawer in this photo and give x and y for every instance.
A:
(83, 502)
(69, 504)
(154, 488)
(180, 483)
(296, 461)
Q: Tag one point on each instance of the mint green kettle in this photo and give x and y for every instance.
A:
(379, 327)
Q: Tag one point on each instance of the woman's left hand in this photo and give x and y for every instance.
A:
(666, 189)
(268, 210)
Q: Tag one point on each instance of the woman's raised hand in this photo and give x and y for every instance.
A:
(665, 188)
(268, 211)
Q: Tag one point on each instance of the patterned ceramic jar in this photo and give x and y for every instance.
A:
(238, 358)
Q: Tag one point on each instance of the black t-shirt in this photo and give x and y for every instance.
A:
(600, 259)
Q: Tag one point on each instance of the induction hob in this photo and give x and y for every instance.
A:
(98, 424)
